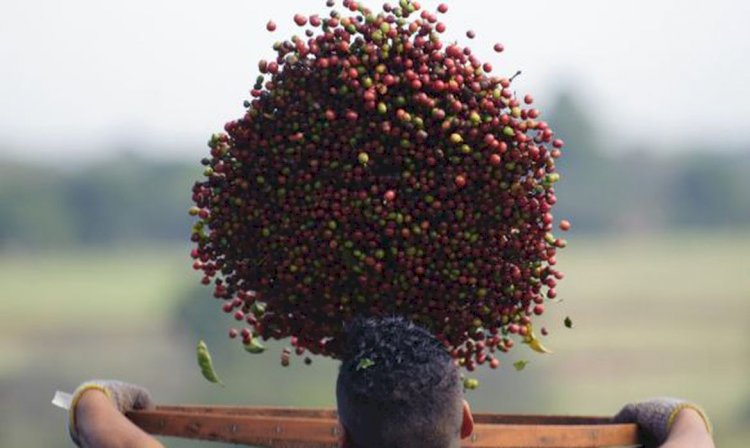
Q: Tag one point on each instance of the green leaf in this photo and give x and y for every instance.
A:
(568, 322)
(254, 347)
(520, 365)
(206, 364)
(365, 363)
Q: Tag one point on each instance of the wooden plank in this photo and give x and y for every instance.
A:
(292, 427)
(530, 419)
(520, 419)
(245, 410)
(256, 430)
(552, 436)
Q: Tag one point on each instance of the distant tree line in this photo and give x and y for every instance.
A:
(132, 199)
(122, 200)
(643, 190)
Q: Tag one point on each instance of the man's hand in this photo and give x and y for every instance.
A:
(96, 415)
(669, 422)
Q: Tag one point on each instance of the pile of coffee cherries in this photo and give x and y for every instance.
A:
(380, 171)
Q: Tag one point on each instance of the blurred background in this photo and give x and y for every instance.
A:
(105, 111)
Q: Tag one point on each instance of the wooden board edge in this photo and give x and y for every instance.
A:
(291, 426)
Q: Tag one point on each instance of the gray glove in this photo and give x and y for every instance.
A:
(655, 417)
(124, 396)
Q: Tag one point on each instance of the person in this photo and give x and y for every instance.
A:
(397, 387)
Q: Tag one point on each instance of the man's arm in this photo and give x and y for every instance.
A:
(100, 425)
(97, 420)
(669, 423)
(689, 431)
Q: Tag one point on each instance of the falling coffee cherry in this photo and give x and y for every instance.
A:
(300, 20)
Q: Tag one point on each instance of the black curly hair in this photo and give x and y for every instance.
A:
(398, 387)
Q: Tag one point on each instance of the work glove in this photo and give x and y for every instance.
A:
(125, 397)
(655, 417)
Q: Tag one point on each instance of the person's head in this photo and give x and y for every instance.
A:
(399, 387)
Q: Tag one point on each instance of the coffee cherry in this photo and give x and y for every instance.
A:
(300, 20)
(460, 181)
(380, 171)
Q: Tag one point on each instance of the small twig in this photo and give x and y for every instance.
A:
(514, 76)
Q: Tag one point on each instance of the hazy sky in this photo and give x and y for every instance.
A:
(79, 75)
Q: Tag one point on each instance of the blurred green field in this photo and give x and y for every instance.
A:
(55, 289)
(658, 315)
